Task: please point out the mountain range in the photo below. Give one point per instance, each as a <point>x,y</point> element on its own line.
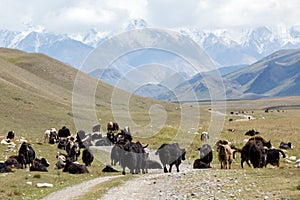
<point>227,47</point>
<point>244,56</point>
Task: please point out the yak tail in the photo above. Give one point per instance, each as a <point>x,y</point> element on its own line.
<point>283,154</point>
<point>146,146</point>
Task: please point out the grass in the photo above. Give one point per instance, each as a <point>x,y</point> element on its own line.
<point>276,126</point>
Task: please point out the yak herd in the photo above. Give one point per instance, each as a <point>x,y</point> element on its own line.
<point>132,155</point>
<point>257,151</point>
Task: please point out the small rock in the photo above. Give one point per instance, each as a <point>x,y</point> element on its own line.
<point>39,185</point>
<point>29,183</point>
<point>293,158</point>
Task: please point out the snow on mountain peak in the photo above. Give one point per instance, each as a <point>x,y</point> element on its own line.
<point>226,46</point>
<point>136,24</point>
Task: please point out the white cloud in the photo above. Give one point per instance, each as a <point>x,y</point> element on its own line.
<point>248,13</point>
<point>169,13</point>
<point>80,15</point>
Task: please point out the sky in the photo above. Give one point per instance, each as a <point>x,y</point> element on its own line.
<point>75,16</point>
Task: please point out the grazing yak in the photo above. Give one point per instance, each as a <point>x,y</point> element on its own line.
<point>116,153</point>
<point>284,145</point>
<point>112,126</point>
<point>74,152</point>
<point>61,160</point>
<point>80,137</point>
<point>257,155</point>
<point>273,156</point>
<point>64,132</point>
<point>123,136</point>
<point>39,165</point>
<point>225,156</point>
<point>252,132</point>
<point>53,138</point>
<point>245,153</point>
<point>62,144</point>
<point>26,154</point>
<point>206,154</point>
<point>10,135</point>
<point>170,154</point>
<point>204,136</point>
<point>110,135</point>
<point>46,135</point>
<point>134,157</point>
<point>87,157</point>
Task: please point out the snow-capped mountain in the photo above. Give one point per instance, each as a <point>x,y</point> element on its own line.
<point>236,46</point>
<point>58,46</point>
<point>226,47</point>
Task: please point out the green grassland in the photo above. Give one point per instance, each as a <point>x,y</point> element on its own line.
<point>36,94</point>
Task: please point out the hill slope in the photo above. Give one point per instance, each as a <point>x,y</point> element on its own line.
<point>37,94</point>
<point>276,75</point>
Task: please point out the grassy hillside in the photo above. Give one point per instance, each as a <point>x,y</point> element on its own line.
<point>36,94</point>
<point>275,75</point>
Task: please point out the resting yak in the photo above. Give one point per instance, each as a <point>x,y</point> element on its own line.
<point>39,165</point>
<point>206,156</point>
<point>74,167</point>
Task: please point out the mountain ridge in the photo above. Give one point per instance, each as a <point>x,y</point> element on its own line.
<point>228,47</point>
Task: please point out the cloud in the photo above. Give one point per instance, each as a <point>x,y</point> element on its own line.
<point>220,14</point>
<point>68,15</point>
<point>248,13</point>
<point>170,13</point>
<point>78,16</point>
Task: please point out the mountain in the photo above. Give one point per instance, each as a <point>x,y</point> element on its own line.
<point>228,69</point>
<point>231,50</point>
<point>276,75</point>
<point>273,76</point>
<point>227,47</point>
<point>235,47</point>
<point>58,46</point>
